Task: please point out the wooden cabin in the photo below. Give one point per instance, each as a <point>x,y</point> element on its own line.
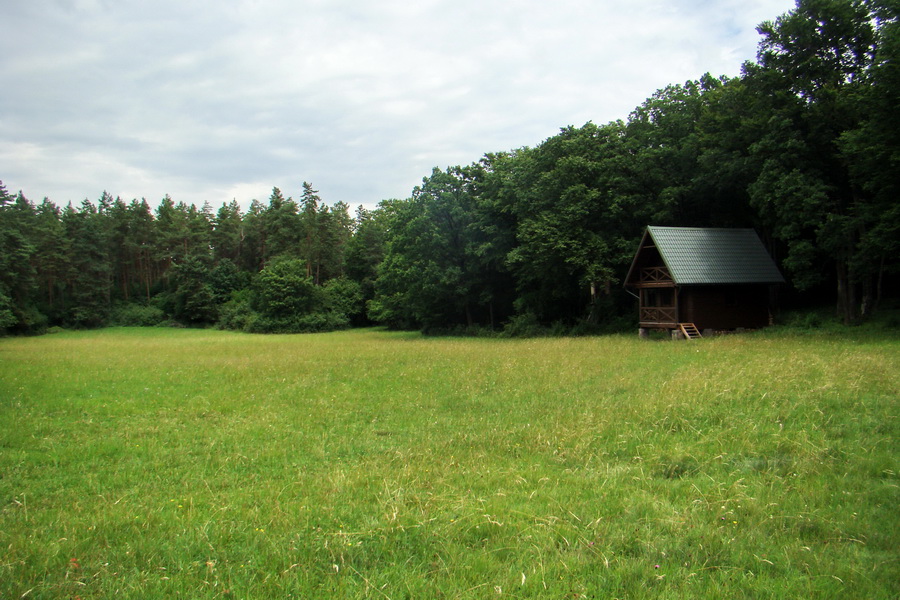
<point>691,279</point>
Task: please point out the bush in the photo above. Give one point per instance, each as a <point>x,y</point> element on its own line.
<point>31,321</point>
<point>321,322</point>
<point>7,316</point>
<point>391,312</point>
<point>811,320</point>
<point>345,296</point>
<point>237,313</point>
<point>805,321</point>
<point>524,325</point>
<point>311,323</point>
<point>132,314</point>
<point>892,321</point>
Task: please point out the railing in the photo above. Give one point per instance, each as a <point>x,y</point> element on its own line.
<point>655,275</point>
<point>659,314</point>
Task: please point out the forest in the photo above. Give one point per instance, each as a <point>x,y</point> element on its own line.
<point>803,146</point>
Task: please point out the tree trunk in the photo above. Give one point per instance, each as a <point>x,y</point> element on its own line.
<point>865,307</point>
<point>878,285</point>
<point>592,314</point>
<point>846,294</point>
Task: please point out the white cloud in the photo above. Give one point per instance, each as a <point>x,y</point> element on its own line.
<point>213,101</point>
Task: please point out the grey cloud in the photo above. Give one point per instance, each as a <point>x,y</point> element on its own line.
<point>205,99</point>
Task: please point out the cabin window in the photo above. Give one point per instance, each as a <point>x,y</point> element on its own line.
<point>658,297</point>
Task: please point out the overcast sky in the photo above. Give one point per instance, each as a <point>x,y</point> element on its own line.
<point>214,100</point>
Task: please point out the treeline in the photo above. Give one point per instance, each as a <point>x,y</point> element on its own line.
<point>804,147</point>
<point>277,267</point>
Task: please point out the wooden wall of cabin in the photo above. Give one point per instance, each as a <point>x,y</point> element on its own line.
<point>725,307</point>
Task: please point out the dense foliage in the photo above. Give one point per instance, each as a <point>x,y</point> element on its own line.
<point>804,147</point>
<point>279,267</point>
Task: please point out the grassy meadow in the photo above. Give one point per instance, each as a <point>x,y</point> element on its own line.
<point>156,463</point>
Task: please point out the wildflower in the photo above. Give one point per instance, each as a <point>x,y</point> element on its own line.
<point>655,566</point>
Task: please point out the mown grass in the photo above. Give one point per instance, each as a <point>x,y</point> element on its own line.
<point>203,464</point>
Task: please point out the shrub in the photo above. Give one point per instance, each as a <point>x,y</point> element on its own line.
<point>7,316</point>
<point>132,314</point>
<point>524,325</point>
<point>811,320</point>
<point>312,323</point>
<point>237,313</point>
<point>344,296</point>
<point>32,321</point>
<point>321,322</point>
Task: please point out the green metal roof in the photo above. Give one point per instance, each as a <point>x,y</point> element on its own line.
<point>701,256</point>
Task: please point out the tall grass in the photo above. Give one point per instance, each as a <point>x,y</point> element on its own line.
<point>202,464</point>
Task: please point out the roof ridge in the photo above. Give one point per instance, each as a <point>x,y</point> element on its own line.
<point>702,228</point>
<point>731,255</point>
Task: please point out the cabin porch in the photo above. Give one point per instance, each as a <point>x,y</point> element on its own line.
<point>658,308</point>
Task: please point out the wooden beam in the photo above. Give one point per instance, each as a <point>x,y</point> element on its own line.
<point>654,284</point>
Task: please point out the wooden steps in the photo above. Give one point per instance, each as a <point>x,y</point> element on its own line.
<point>690,331</point>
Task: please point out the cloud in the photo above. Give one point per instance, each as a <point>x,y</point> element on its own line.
<point>209,101</point>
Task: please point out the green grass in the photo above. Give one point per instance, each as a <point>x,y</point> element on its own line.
<point>151,463</point>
